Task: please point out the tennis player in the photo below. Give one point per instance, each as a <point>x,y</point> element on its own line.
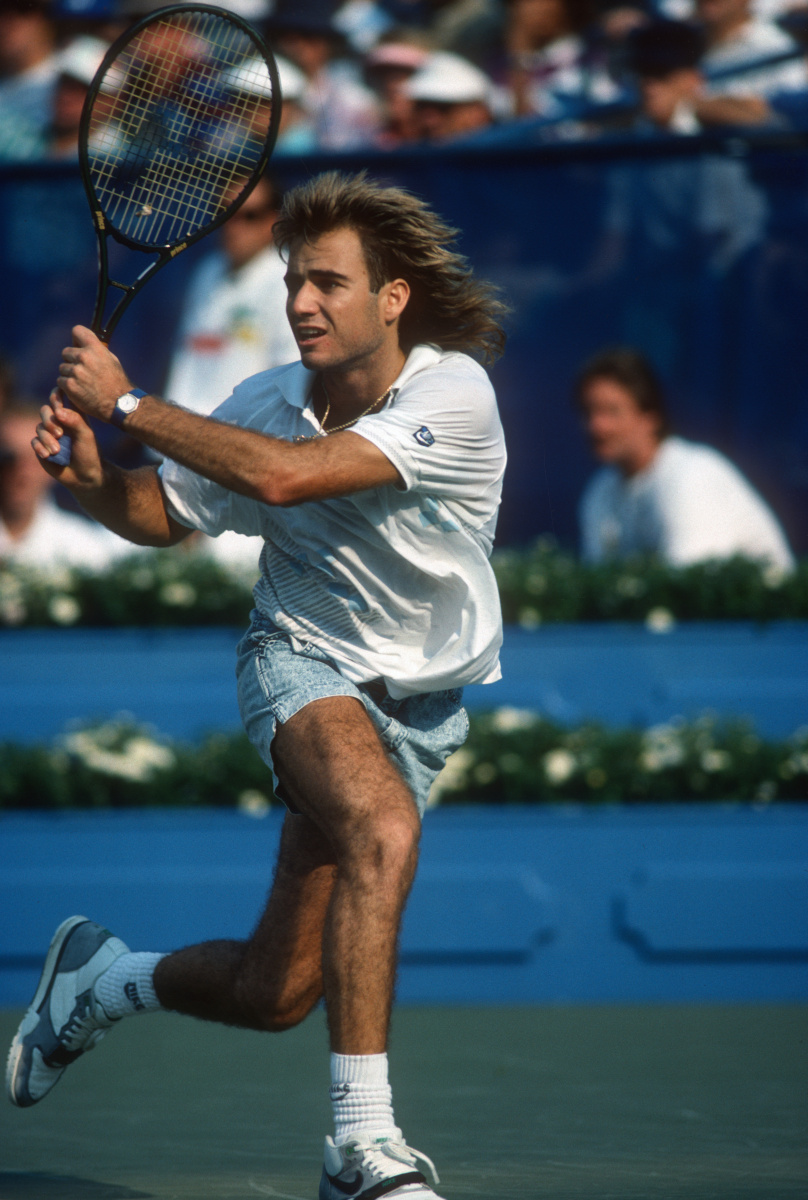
<point>373,470</point>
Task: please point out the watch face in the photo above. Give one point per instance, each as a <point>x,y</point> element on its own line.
<point>128,403</point>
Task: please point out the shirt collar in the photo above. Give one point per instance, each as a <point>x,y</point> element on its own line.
<point>295,382</point>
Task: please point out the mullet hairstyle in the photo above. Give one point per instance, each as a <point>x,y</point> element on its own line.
<point>402,238</point>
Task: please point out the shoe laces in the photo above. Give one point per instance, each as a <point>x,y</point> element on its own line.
<point>374,1154</point>
<point>83,1029</point>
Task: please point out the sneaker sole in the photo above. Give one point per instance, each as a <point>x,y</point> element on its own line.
<point>31,1018</point>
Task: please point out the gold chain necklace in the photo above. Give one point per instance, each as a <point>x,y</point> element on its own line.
<point>325,432</point>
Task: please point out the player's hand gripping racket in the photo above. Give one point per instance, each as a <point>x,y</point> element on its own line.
<point>177,127</point>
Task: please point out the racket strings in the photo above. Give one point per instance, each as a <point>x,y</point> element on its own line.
<point>170,141</point>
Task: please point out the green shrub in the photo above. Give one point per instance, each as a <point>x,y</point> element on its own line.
<point>511,756</point>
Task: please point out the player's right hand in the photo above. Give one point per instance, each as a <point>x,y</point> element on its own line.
<point>85,469</point>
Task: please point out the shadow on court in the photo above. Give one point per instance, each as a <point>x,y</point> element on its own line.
<point>607,1103</point>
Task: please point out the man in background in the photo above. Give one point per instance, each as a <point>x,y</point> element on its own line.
<point>34,531</point>
<point>451,98</point>
<point>657,493</point>
<point>234,320</point>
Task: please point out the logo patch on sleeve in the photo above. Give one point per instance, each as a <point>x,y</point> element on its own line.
<point>424,437</point>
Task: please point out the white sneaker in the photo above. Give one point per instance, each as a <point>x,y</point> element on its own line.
<point>365,1168</point>
<point>65,1020</point>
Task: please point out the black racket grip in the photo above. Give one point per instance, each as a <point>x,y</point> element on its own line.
<point>65,452</point>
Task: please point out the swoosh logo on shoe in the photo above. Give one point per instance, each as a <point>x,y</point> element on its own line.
<point>349,1187</point>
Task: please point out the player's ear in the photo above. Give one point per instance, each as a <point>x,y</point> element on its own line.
<point>395,296</point>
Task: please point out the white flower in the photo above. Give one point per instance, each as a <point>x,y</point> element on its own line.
<point>64,609</point>
<point>773,576</point>
<point>660,620</point>
<point>511,720</point>
<point>715,760</point>
<point>138,759</point>
<point>630,586</point>
<point>536,583</point>
<point>661,747</point>
<point>484,772</point>
<point>12,610</point>
<point>179,594</point>
<point>253,803</point>
<point>559,765</point>
<point>529,618</point>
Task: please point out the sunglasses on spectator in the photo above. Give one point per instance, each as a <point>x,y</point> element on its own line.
<point>251,214</point>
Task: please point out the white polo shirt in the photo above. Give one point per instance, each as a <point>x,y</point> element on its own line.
<point>394,581</point>
<point>689,505</point>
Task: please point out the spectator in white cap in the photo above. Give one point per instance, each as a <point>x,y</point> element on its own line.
<point>452,97</point>
<point>388,68</point>
<point>58,138</point>
<point>27,75</point>
<point>296,133</point>
<point>77,65</point>
<point>343,110</point>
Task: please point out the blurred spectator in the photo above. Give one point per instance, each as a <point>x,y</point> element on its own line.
<point>296,132</point>
<point>98,18</point>
<point>735,38</point>
<point>362,23</point>
<point>549,66</point>
<point>465,27</point>
<point>343,111</point>
<point>77,65</point>
<point>667,58</point>
<point>33,530</point>
<point>7,382</point>
<point>58,136</point>
<point>664,56</point>
<point>657,493</point>
<point>234,319</point>
<point>28,69</point>
<point>388,67</point>
<point>451,96</point>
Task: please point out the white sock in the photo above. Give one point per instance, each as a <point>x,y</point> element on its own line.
<point>361,1098</point>
<point>127,987</point>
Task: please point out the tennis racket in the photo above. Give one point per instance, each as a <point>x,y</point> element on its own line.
<point>178,125</point>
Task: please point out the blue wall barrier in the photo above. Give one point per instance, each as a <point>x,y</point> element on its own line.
<point>182,681</point>
<point>653,903</point>
<point>693,249</point>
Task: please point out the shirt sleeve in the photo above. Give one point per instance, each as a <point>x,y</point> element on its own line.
<point>442,432</point>
<point>202,504</point>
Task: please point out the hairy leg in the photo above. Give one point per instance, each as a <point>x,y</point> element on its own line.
<point>331,923</point>
<point>274,979</point>
<point>339,774</point>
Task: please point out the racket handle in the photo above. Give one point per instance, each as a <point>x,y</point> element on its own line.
<point>63,455</point>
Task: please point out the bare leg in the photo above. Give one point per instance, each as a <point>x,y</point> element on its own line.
<point>339,774</point>
<point>331,924</point>
<point>273,980</point>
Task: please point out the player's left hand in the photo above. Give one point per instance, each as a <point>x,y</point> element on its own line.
<point>90,375</point>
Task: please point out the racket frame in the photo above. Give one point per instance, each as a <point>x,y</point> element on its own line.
<point>103,228</point>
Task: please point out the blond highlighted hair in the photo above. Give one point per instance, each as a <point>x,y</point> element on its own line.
<point>402,238</point>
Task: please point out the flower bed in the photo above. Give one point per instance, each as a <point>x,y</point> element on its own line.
<point>511,756</point>
<point>539,584</point>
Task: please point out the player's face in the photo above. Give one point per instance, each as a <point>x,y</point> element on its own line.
<point>619,432</point>
<point>337,320</point>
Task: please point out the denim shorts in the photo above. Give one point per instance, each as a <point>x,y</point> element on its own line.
<point>277,678</point>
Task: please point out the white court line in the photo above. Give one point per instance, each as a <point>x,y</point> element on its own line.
<point>266,1190</point>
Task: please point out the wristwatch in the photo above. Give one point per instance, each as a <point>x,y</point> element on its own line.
<point>125,405</point>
